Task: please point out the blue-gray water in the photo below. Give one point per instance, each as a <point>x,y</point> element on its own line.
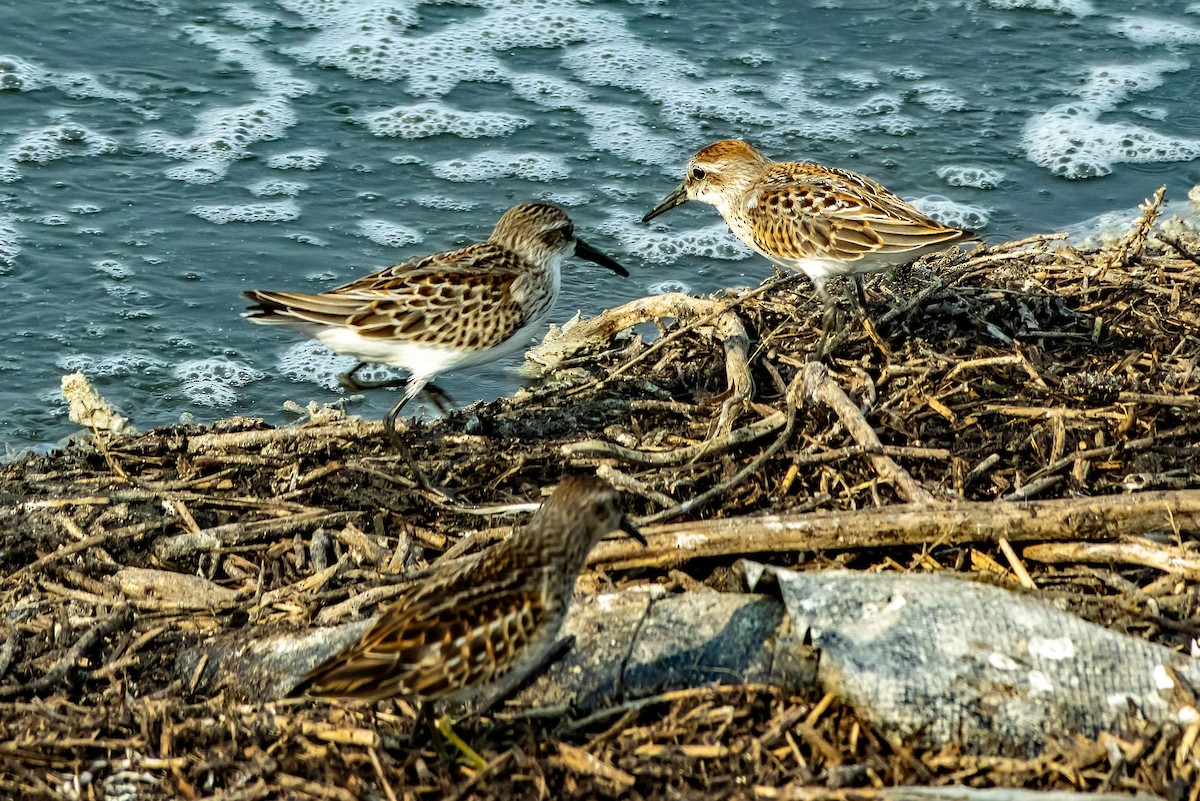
<point>158,157</point>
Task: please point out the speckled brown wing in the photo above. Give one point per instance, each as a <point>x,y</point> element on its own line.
<point>805,211</point>
<point>460,299</point>
<point>438,642</point>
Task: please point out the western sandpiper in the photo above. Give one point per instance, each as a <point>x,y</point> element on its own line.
<point>474,629</point>
<point>818,220</point>
<point>442,312</point>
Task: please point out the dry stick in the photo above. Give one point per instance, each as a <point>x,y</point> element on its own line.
<point>330,615</point>
<point>1149,554</point>
<point>8,651</point>
<point>1132,243</point>
<point>630,311</point>
<point>1065,519</point>
<point>349,429</point>
<point>1174,242</point>
<point>102,446</point>
<point>1039,240</point>
<point>917,793</point>
<point>1016,564</point>
<point>235,533</point>
<point>1031,489</point>
<point>711,447</point>
<point>741,475</point>
<point>204,499</point>
<point>580,762</point>
<point>135,530</point>
<point>1108,451</point>
<point>819,386</point>
<point>131,656</point>
<point>737,370</point>
<point>1188,401</point>
<point>627,483</point>
<point>68,661</point>
<point>729,329</point>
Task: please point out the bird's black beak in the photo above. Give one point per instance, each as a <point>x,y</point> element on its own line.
<point>629,528</point>
<point>585,251</point>
<point>676,198</point>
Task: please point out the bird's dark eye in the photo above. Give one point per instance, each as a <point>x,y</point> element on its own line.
<point>698,173</point>
<point>556,236</point>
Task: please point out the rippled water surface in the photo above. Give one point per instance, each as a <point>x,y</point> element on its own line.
<point>156,157</point>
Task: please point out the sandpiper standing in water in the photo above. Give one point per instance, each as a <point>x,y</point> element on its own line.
<point>474,629</point>
<point>818,220</point>
<point>442,312</point>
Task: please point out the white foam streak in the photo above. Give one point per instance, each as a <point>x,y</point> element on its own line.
<point>431,119</point>
<point>1070,139</point>
<point>226,134</point>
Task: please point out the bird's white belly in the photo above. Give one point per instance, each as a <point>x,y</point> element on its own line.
<point>819,269</point>
<point>418,358</point>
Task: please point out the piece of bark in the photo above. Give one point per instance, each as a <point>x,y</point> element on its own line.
<point>256,666</point>
<point>181,590</point>
<point>932,660</point>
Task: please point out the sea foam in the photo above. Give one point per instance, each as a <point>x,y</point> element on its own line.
<point>1076,8</point>
<point>266,211</point>
<point>967,175</point>
<point>313,363</point>
<point>224,135</point>
<point>213,381</point>
<point>1071,140</point>
<point>430,119</point>
<point>54,142</point>
<point>494,163</point>
<point>10,242</point>
<point>389,234</point>
<point>26,76</point>
<point>951,212</point>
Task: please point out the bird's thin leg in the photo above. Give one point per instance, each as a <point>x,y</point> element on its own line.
<point>352,384</point>
<point>416,385</point>
<point>412,389</point>
<point>828,323</point>
<point>348,381</point>
<point>860,294</point>
<point>439,398</point>
<point>828,315</point>
<point>445,727</point>
<point>426,718</point>
<point>858,299</point>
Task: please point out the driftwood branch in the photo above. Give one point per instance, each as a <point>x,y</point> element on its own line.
<point>821,388</point>
<point>169,548</point>
<point>712,447</point>
<point>294,436</point>
<point>1176,561</point>
<point>696,313</point>
<point>1104,517</point>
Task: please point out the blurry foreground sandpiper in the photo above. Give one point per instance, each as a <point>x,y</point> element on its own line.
<point>818,220</point>
<point>442,312</point>
<point>474,629</point>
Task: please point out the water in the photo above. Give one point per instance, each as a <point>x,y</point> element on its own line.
<point>158,157</point>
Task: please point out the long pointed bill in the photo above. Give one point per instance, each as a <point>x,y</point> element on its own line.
<point>676,198</point>
<point>632,530</point>
<point>585,251</point>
